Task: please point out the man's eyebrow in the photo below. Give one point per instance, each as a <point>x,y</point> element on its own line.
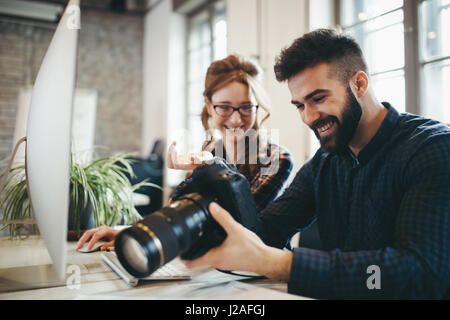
<point>317,91</point>
<point>310,95</point>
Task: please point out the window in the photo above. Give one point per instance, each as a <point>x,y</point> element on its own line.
<point>207,41</point>
<point>407,48</point>
<point>378,27</point>
<point>434,53</point>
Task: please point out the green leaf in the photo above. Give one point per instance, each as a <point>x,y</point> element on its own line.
<point>102,182</point>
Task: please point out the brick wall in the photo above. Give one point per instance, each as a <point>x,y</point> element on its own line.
<point>109,60</point>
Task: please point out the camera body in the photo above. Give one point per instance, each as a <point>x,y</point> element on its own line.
<point>219,182</point>
<point>186,227</point>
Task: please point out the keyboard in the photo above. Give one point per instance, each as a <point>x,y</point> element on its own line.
<point>174,270</point>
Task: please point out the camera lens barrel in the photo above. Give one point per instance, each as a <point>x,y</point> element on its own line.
<point>162,235</point>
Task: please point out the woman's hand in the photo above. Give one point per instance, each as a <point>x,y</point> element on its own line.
<point>243,250</point>
<point>93,235</point>
<point>186,162</point>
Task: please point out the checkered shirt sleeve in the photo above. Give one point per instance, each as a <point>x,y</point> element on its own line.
<point>417,263</point>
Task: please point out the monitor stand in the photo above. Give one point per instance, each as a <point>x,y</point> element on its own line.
<point>29,277</point>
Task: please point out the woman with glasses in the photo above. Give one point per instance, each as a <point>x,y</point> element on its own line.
<point>235,107</point>
<point>234,99</point>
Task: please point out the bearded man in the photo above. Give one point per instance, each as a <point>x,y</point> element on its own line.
<point>378,189</point>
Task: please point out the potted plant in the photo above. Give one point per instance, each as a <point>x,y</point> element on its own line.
<point>100,194</point>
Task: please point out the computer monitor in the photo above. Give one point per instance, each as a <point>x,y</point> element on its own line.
<point>48,140</point>
<point>49,127</point>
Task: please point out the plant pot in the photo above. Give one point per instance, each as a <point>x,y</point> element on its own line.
<point>85,218</point>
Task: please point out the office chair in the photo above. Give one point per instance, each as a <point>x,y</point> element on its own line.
<point>150,168</point>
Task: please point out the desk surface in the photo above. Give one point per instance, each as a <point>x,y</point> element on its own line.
<point>99,282</point>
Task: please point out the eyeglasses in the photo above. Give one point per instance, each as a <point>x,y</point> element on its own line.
<point>227,111</point>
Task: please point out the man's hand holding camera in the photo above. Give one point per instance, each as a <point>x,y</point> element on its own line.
<point>186,228</point>
<point>243,250</point>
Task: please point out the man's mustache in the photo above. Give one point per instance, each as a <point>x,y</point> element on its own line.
<point>320,122</point>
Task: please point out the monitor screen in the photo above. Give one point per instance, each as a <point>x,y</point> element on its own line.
<point>47,157</point>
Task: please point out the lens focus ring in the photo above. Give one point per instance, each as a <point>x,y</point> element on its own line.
<point>155,239</point>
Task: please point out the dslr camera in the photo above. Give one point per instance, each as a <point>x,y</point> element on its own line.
<point>185,227</point>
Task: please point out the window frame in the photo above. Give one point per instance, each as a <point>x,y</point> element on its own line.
<point>212,12</point>
<point>414,65</point>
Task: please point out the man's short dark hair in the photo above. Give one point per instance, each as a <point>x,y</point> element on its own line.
<point>341,51</point>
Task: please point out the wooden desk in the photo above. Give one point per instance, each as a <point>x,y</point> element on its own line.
<point>99,282</point>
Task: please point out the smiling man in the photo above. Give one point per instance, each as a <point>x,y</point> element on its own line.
<point>378,188</point>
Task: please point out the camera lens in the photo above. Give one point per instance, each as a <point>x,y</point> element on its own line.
<point>162,235</point>
<point>134,254</point>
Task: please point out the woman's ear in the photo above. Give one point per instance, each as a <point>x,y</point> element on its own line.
<point>359,83</point>
<point>208,105</point>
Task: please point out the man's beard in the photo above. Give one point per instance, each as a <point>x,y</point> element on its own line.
<point>345,130</point>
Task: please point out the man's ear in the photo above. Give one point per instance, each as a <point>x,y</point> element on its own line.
<point>359,83</point>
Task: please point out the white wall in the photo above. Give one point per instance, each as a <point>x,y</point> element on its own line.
<point>83,122</point>
<point>164,65</point>
<point>256,28</point>
<point>321,14</point>
<point>261,28</point>
<point>155,82</point>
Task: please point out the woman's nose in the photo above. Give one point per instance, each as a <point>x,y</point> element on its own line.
<point>235,117</point>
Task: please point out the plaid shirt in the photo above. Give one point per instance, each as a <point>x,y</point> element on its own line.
<point>266,186</point>
<point>274,168</point>
<point>389,208</point>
